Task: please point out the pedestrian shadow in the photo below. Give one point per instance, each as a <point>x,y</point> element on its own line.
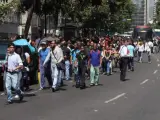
<point>19,102</point>
<point>62,89</point>
<point>125,80</point>
<point>64,85</point>
<point>29,95</point>
<point>99,85</point>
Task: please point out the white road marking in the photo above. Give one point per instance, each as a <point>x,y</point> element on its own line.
<point>95,110</point>
<point>158,65</point>
<point>157,60</point>
<point>144,81</point>
<point>115,98</point>
<point>155,71</point>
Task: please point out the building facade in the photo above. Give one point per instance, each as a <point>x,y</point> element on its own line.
<point>14,23</point>
<point>139,16</point>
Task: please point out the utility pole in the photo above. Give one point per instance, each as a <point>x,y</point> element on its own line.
<point>45,20</point>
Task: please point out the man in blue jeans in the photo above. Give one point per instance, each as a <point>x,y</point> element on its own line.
<point>131,56</point>
<point>14,65</point>
<point>42,56</point>
<point>67,58</point>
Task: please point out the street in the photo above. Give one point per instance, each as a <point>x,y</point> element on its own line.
<point>136,99</point>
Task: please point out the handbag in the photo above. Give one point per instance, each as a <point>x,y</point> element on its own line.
<point>60,65</point>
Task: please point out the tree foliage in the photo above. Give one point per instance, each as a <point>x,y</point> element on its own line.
<point>116,16</point>
<point>157,19</point>
<point>6,8</point>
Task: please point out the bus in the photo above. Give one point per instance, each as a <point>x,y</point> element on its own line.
<point>143,33</point>
<point>156,32</point>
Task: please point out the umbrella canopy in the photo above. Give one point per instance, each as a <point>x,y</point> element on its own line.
<point>49,39</point>
<point>21,42</point>
<point>24,42</point>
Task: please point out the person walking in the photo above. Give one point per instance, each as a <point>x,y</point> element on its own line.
<point>14,65</point>
<point>131,56</point>
<point>140,49</point>
<point>42,56</point>
<point>57,64</point>
<point>82,58</point>
<point>67,58</point>
<point>148,49</point>
<point>95,61</point>
<point>124,52</point>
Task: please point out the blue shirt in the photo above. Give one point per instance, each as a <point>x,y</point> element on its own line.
<point>131,50</point>
<point>43,54</point>
<point>95,58</point>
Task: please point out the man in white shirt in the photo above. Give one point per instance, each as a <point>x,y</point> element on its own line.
<point>14,65</point>
<point>124,52</point>
<point>56,56</point>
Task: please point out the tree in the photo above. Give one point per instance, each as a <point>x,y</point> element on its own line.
<point>6,8</point>
<point>30,6</point>
<point>103,17</point>
<point>157,19</point>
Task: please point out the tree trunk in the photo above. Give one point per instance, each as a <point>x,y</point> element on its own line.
<point>28,22</point>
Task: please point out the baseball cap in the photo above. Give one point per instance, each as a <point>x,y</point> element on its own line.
<point>43,43</point>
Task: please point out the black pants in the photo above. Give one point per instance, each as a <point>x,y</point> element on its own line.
<point>131,63</point>
<point>24,82</point>
<point>104,65</point>
<point>81,73</point>
<point>123,67</point>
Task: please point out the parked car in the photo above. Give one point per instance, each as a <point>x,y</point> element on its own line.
<point>3,50</point>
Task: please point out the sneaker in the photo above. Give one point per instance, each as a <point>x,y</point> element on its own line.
<point>16,97</point>
<point>54,89</point>
<point>96,84</point>
<point>41,88</point>
<point>20,98</point>
<point>9,101</point>
<point>77,85</point>
<point>91,84</point>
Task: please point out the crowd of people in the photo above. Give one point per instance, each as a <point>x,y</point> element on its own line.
<point>80,60</point>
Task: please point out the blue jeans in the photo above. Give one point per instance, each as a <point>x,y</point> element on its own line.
<point>108,66</point>
<point>42,78</point>
<point>12,81</point>
<point>67,71</point>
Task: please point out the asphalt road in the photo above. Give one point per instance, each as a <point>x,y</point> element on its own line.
<point>136,99</point>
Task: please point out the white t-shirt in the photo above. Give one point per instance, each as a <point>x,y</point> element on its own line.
<point>123,51</point>
<point>140,48</point>
<point>148,46</point>
<point>27,55</point>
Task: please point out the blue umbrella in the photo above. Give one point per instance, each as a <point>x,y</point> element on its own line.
<point>21,42</point>
<point>24,42</point>
<point>32,49</point>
